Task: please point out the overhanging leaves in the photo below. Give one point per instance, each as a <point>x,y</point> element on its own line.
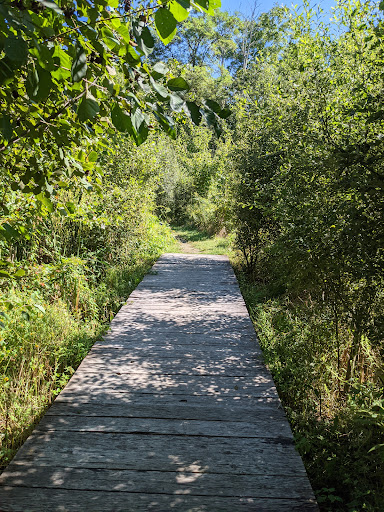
<point>79,65</point>
<point>165,24</point>
<point>177,84</point>
<point>88,108</point>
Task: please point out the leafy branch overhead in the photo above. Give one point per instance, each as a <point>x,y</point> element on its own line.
<point>74,72</point>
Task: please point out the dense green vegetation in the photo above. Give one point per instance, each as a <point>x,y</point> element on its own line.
<point>291,186</point>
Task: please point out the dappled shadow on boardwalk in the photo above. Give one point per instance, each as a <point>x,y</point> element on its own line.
<point>173,410</point>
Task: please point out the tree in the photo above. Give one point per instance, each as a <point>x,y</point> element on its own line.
<point>72,73</point>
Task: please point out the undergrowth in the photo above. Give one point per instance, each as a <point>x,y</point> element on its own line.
<point>339,435</point>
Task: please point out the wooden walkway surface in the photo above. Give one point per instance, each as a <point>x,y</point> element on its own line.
<point>174,411</point>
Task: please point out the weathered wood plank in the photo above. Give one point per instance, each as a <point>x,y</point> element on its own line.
<point>157,351</point>
<point>127,363</point>
<point>229,455</point>
<point>102,383</point>
<point>158,482</point>
<point>19,499</point>
<point>120,338</point>
<point>187,407</point>
<point>265,427</point>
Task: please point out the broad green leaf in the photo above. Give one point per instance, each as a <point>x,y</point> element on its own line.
<point>6,127</point>
<point>121,121</point>
<point>7,71</point>
<point>194,112</point>
<point>178,84</point>
<point>212,121</point>
<point>70,207</point>
<point>109,38</point>
<point>51,5</point>
<point>123,31</point>
<point>93,156</point>
<point>165,24</point>
<point>132,57</point>
<point>176,103</point>
<point>44,56</point>
<point>16,49</point>
<point>159,70</point>
<point>8,232</point>
<point>79,65</point>
<point>225,113</point>
<point>144,38</point>
<point>40,308</point>
<point>88,108</point>
<point>179,12</point>
<point>201,4</point>
<point>20,273</point>
<point>38,84</point>
<point>45,201</point>
<point>137,119</point>
<point>213,105</point>
<point>166,123</point>
<point>63,63</point>
<point>159,88</point>
<point>186,4</point>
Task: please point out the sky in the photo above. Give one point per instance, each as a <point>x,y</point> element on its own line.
<point>245,6</point>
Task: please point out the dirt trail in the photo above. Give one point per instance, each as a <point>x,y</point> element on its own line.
<point>186,247</point>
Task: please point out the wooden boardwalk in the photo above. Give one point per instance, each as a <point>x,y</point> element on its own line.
<point>174,411</point>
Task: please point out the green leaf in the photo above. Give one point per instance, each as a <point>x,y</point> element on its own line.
<point>132,57</point>
<point>38,84</point>
<point>201,4</point>
<point>8,232</point>
<point>5,274</point>
<point>176,103</point>
<point>79,65</point>
<point>178,84</point>
<point>123,31</point>
<point>7,70</point>
<point>212,121</point>
<point>93,156</point>
<point>51,5</point>
<point>137,119</point>
<point>159,88</point>
<point>88,108</point>
<point>165,24</point>
<point>186,4</point>
<point>225,113</point>
<point>63,64</point>
<point>109,38</point>
<point>213,105</point>
<point>179,11</point>
<point>40,308</point>
<point>166,123</point>
<point>6,127</point>
<point>159,70</point>
<point>143,38</point>
<point>19,273</point>
<point>44,200</point>
<point>121,121</point>
<point>194,112</point>
<point>16,49</point>
<point>25,315</point>
<point>70,207</point>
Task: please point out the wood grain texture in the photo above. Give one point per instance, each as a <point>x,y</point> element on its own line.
<point>173,410</point>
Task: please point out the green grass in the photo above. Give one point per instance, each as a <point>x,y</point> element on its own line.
<point>199,241</point>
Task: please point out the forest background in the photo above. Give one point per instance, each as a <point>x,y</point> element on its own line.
<point>109,137</point>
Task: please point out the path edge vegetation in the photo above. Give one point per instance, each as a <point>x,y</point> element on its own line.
<point>295,179</point>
